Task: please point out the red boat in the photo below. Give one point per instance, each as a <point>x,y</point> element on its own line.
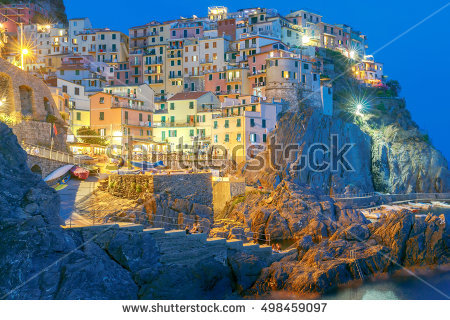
<point>80,173</point>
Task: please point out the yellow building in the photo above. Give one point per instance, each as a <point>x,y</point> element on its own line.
<point>241,130</point>
<point>79,118</point>
<point>185,119</point>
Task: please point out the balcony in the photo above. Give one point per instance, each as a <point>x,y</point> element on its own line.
<point>258,72</point>
<point>153,71</point>
<point>155,81</point>
<point>175,76</point>
<point>154,62</point>
<point>175,124</point>
<point>234,79</point>
<point>206,61</point>
<point>259,84</point>
<point>174,56</point>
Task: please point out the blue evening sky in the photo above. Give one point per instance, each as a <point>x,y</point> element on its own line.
<point>419,59</point>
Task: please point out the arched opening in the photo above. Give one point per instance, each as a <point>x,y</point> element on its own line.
<point>26,100</point>
<point>37,170</point>
<point>47,106</point>
<point>6,94</point>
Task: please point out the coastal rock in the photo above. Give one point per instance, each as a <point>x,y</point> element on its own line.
<point>39,259</point>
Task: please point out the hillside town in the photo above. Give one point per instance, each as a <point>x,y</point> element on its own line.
<point>217,81</point>
<point>238,154</point>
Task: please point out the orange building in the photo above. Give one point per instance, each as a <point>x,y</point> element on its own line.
<point>116,118</point>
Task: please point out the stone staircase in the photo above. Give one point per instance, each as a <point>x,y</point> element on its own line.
<point>176,247</point>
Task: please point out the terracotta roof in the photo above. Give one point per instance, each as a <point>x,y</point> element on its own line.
<point>188,95</point>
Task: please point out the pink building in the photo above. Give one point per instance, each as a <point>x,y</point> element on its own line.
<point>22,12</point>
<point>183,30</point>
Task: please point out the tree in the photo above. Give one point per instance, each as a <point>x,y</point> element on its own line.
<point>88,135</point>
<point>394,87</point>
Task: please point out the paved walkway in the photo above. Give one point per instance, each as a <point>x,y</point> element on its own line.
<point>77,191</point>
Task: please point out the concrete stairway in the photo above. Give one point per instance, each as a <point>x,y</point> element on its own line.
<point>176,247</point>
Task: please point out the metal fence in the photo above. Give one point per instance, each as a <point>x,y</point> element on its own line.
<point>42,152</point>
<point>97,218</point>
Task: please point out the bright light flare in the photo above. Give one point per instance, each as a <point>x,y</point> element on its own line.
<point>25,51</point>
<point>352,54</point>
<point>305,39</point>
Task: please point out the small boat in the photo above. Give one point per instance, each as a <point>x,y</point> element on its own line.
<point>80,173</point>
<point>59,173</point>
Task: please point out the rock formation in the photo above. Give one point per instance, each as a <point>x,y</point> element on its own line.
<point>39,259</point>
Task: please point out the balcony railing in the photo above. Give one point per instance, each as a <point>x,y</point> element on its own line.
<point>172,124</point>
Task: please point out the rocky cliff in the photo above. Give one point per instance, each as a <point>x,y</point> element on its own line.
<point>388,151</point>
<point>41,260</point>
<point>334,245</point>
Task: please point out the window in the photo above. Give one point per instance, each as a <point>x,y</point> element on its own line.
<point>172,133</point>
<point>64,89</point>
<point>216,139</point>
<point>77,91</point>
<point>191,104</point>
<point>227,123</point>
<point>305,66</point>
<point>238,137</point>
<point>102,100</point>
<point>191,132</point>
<point>61,72</point>
<point>215,125</point>
<point>252,122</point>
<point>253,137</point>
<point>140,117</point>
<point>102,116</point>
<point>102,37</point>
<point>238,122</point>
<point>227,137</point>
<point>114,36</point>
<point>264,123</point>
<point>264,137</point>
<point>77,72</point>
<point>78,116</point>
<point>172,106</point>
<point>254,108</point>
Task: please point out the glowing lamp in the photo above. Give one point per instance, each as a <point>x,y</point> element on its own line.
<point>305,39</point>
<point>352,54</point>
<point>25,51</point>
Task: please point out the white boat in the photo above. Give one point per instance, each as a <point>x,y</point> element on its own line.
<point>58,173</point>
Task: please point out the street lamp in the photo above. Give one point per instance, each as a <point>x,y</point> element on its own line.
<point>23,52</point>
<point>359,108</point>
<point>352,54</point>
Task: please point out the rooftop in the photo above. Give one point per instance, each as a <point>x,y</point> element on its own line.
<point>188,95</point>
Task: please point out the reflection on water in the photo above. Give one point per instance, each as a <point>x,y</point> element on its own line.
<point>430,286</point>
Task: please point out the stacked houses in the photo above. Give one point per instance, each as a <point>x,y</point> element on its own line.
<point>218,81</point>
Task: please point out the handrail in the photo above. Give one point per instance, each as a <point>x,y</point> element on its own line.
<point>92,219</point>
<point>42,152</point>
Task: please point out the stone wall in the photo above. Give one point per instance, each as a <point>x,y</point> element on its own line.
<point>39,134</point>
<point>27,96</point>
<point>224,191</point>
<point>195,187</point>
<point>42,166</point>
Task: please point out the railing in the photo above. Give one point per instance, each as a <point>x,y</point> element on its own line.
<point>105,217</point>
<point>248,235</point>
<point>46,153</point>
